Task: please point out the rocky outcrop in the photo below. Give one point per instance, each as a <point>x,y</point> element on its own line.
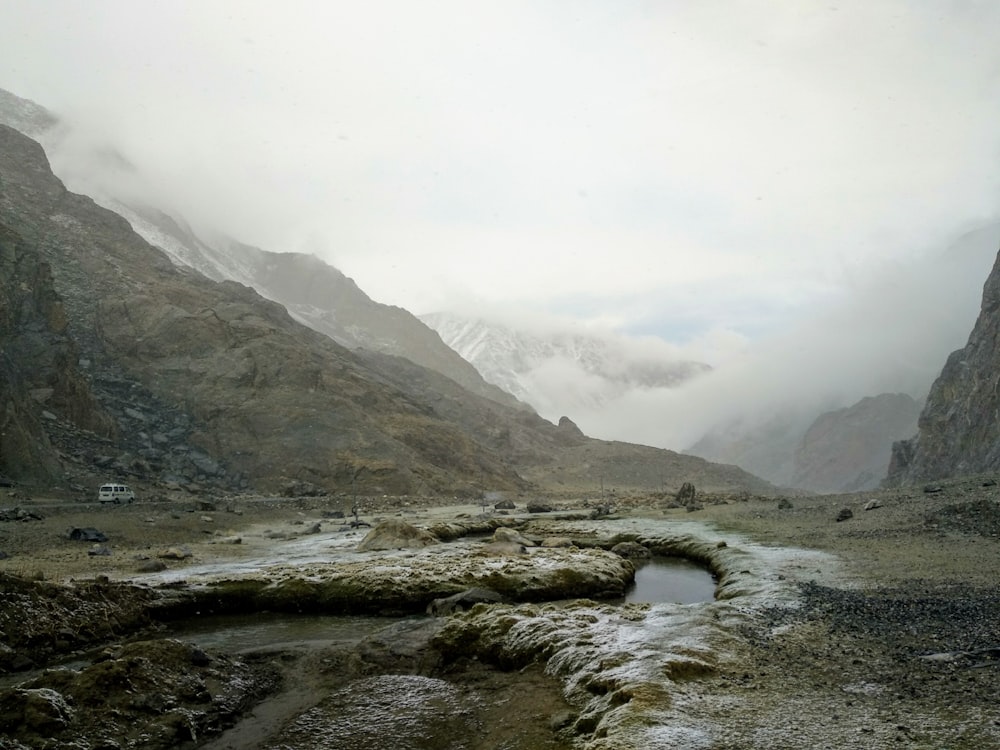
<point>847,450</point>
<point>959,432</point>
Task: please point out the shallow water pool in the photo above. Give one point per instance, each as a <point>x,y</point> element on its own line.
<point>671,579</point>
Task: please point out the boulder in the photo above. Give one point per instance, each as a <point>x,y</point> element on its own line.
<point>845,514</point>
<point>396,534</point>
<point>505,505</point>
<point>873,504</point>
<point>686,493</point>
<point>505,534</point>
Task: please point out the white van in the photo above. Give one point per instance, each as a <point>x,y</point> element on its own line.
<point>115,493</point>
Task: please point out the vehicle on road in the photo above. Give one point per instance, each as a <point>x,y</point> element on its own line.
<point>115,494</point>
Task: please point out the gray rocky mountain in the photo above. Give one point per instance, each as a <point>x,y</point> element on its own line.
<point>848,450</point>
<point>312,291</point>
<point>958,430</point>
<point>130,365</point>
<point>559,371</point>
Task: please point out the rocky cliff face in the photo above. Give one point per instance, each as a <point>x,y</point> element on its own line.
<point>959,428</point>
<point>42,392</point>
<point>208,382</point>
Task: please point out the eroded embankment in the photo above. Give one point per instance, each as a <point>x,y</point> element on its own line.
<point>636,672</point>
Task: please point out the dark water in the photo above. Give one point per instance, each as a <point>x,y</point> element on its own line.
<point>236,633</point>
<point>671,579</point>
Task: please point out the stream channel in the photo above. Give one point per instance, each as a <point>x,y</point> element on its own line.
<point>473,708</point>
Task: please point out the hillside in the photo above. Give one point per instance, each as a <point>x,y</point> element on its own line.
<point>312,291</point>
<point>207,382</point>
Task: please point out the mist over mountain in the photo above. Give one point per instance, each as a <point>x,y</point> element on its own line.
<point>117,361</point>
<point>312,291</point>
<point>886,338</point>
<point>889,336</point>
<point>885,334</point>
<point>562,370</point>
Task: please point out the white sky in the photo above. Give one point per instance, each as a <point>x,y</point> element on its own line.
<point>702,169</point>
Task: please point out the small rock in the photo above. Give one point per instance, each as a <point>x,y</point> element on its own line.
<point>873,504</point>
<point>87,535</point>
<point>930,489</point>
<point>175,553</point>
<point>784,504</point>
<point>207,519</point>
<point>845,514</point>
<point>505,505</point>
<point>150,566</point>
<point>99,550</point>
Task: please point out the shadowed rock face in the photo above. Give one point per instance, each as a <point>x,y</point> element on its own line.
<point>959,432</point>
<point>38,366</point>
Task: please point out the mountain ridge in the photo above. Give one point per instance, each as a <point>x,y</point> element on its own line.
<point>208,382</point>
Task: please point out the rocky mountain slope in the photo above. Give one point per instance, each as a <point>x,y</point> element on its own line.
<point>312,291</point>
<point>38,365</point>
<point>208,382</point>
<point>557,371</point>
<point>848,450</point>
<point>959,432</point>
